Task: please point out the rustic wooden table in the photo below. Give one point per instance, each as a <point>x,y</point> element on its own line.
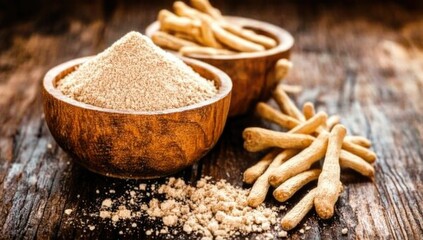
<point>363,61</point>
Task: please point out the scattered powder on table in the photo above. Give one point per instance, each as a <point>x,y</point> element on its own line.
<point>135,74</point>
<point>344,231</point>
<point>212,210</point>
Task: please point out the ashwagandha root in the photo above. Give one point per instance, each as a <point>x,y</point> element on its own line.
<point>356,163</point>
<point>282,67</point>
<point>225,37</point>
<point>359,140</point>
<point>290,173</point>
<point>257,139</point>
<point>360,151</point>
<point>206,7</point>
<point>329,184</point>
<point>301,161</point>
<point>255,171</point>
<point>166,40</point>
<point>287,189</point>
<point>193,50</point>
<point>269,113</point>
<point>310,126</point>
<point>170,22</point>
<point>292,89</point>
<point>209,28</point>
<point>185,36</point>
<point>249,35</point>
<point>332,121</point>
<point>252,173</point>
<point>286,105</point>
<point>234,41</point>
<point>298,212</point>
<point>208,36</point>
<point>164,14</point>
<point>181,9</point>
<point>308,110</point>
<point>261,186</point>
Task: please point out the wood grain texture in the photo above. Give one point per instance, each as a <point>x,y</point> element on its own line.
<point>363,61</point>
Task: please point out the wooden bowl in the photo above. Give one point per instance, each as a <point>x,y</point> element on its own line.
<point>135,144</point>
<point>252,74</point>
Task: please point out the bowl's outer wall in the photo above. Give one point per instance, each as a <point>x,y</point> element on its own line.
<point>133,145</point>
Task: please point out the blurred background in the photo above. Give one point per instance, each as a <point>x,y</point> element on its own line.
<point>113,17</point>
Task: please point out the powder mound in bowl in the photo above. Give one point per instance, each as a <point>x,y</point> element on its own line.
<point>135,74</point>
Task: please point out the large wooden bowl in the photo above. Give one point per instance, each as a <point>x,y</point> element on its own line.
<point>130,144</point>
<point>252,74</point>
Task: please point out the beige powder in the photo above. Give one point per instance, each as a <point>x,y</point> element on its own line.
<point>207,209</point>
<point>135,74</point>
<point>213,210</point>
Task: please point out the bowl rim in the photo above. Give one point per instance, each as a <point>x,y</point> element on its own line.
<point>224,89</point>
<point>284,38</point>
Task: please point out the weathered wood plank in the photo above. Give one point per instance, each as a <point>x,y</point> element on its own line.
<point>362,61</point>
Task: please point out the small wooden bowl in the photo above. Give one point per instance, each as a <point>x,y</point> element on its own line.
<point>134,144</point>
<point>252,74</point>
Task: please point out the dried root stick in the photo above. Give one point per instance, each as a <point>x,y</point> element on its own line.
<point>311,124</point>
<point>172,23</point>
<point>166,40</point>
<point>329,184</point>
<point>255,171</point>
<point>286,105</point>
<point>360,151</point>
<point>185,36</point>
<point>181,9</point>
<point>208,36</point>
<point>292,89</point>
<point>257,139</point>
<point>332,121</point>
<point>261,186</point>
<point>222,35</point>
<point>301,161</point>
<point>308,110</point>
<point>356,163</point>
<point>268,113</point>
<point>206,7</point>
<point>235,42</point>
<point>287,189</point>
<point>298,212</point>
<point>193,50</point>
<point>282,68</point>
<point>251,174</point>
<point>164,14</point>
<point>250,35</point>
<point>354,144</point>
<point>359,140</point>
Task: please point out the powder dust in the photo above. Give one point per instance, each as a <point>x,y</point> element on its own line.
<point>208,210</point>
<point>135,74</point>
